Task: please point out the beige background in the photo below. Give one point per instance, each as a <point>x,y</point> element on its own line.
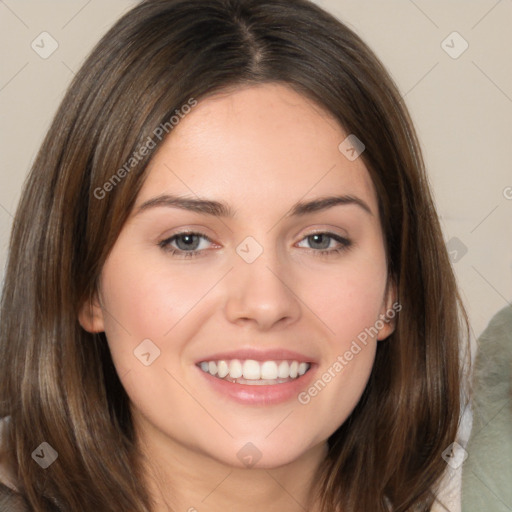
<point>462,109</point>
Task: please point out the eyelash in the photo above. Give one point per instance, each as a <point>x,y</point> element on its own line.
<point>165,244</point>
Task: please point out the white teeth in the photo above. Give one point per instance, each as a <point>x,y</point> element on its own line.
<point>267,372</point>
<point>293,369</point>
<point>235,369</point>
<point>251,370</point>
<point>222,369</point>
<point>284,370</point>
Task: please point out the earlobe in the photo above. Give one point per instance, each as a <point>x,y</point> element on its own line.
<point>90,315</point>
<point>389,312</point>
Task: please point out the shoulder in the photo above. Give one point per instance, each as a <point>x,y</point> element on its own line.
<point>7,478</point>
<point>448,496</point>
<point>12,501</point>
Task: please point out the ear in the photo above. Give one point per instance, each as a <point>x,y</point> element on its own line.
<point>90,315</point>
<point>389,311</point>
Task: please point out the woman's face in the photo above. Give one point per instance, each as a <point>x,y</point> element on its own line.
<point>274,282</point>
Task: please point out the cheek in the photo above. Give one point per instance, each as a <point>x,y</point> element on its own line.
<point>145,301</point>
<point>348,301</point>
<point>338,387</point>
<point>347,298</point>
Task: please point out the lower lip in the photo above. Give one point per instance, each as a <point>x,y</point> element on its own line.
<point>260,395</point>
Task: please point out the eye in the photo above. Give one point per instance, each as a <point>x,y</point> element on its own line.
<point>192,244</point>
<point>187,244</point>
<point>327,243</point>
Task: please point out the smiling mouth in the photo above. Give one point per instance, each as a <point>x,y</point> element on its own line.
<point>255,373</point>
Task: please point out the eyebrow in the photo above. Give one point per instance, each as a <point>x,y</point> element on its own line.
<point>221,209</point>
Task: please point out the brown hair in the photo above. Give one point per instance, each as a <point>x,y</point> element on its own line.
<point>59,384</point>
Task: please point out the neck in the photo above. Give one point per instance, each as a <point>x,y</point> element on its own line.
<point>180,478</point>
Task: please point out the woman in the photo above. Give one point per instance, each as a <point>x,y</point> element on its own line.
<point>227,284</point>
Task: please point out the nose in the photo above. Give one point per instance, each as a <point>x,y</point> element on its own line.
<point>261,293</point>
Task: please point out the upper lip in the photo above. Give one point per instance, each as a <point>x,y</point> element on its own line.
<point>276,354</point>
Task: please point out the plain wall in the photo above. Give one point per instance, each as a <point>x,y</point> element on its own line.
<point>462,108</point>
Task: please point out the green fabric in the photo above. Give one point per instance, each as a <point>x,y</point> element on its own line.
<point>487,472</point>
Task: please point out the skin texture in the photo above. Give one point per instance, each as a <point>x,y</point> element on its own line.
<point>260,149</point>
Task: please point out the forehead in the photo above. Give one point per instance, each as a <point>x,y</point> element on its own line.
<point>264,143</point>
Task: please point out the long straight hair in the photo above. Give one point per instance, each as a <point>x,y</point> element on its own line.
<point>58,382</point>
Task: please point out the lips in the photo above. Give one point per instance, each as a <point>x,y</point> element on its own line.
<point>257,377</point>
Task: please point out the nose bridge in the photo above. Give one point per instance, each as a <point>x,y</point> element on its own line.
<point>259,288</point>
